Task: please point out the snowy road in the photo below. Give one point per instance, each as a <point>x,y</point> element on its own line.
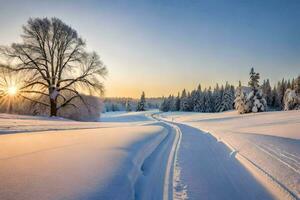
<point>206,169</point>
<point>265,144</point>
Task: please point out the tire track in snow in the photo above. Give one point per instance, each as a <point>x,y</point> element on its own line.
<point>173,187</point>
<point>248,163</point>
<point>277,156</point>
<point>275,186</point>
<point>291,158</point>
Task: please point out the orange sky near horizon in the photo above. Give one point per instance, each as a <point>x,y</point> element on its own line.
<point>162,47</point>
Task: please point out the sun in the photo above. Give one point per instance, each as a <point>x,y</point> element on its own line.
<point>12,90</point>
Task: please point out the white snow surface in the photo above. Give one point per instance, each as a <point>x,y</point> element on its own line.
<point>137,156</point>
<point>57,159</point>
<point>269,142</point>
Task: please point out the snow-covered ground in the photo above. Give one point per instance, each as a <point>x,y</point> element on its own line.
<point>151,155</point>
<point>267,144</point>
<point>62,159</point>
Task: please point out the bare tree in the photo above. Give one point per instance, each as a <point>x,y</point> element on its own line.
<point>57,66</point>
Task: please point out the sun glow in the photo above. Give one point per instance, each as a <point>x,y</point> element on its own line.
<point>12,90</point>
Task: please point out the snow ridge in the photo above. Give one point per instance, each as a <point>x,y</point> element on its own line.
<point>179,189</point>
<point>142,155</point>
<point>288,194</point>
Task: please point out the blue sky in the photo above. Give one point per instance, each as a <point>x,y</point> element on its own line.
<point>164,46</point>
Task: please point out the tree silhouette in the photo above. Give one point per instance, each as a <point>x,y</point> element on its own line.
<point>56,64</point>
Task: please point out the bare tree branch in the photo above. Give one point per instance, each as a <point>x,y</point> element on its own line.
<point>57,64</point>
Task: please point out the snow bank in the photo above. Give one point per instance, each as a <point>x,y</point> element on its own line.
<point>270,141</point>
<point>122,116</point>
<point>101,163</point>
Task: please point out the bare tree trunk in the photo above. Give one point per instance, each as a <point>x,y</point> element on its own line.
<point>53,108</point>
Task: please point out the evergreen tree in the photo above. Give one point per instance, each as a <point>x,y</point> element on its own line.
<point>208,100</point>
<point>293,84</point>
<point>177,103</point>
<point>184,101</point>
<point>267,92</point>
<point>254,80</point>
<point>171,103</point>
<point>114,107</point>
<point>141,103</point>
<point>240,101</point>
<point>128,106</point>
<point>193,100</point>
<point>255,101</point>
<point>190,102</point>
<point>292,96</point>
<point>227,99</point>
<point>219,98</point>
<point>275,98</point>
<point>164,106</point>
<point>199,100</point>
<point>291,100</point>
<point>297,85</point>
<point>280,91</point>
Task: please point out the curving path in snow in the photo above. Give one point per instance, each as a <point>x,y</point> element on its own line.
<point>236,163</point>
<point>206,169</point>
<point>139,156</point>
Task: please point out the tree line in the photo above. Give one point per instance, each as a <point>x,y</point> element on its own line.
<point>208,100</point>
<point>251,98</point>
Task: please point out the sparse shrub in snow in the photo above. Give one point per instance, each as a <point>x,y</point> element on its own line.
<point>291,100</point>
<point>89,112</point>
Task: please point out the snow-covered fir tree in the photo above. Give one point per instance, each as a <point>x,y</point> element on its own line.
<point>142,103</point>
<point>208,101</point>
<point>275,102</point>
<point>296,85</point>
<point>291,100</point>
<point>267,92</point>
<point>219,98</point>
<point>240,99</point>
<point>199,100</point>
<point>164,106</point>
<point>184,102</point>
<point>255,102</point>
<point>171,102</point>
<point>177,103</point>
<point>244,99</point>
<point>128,106</point>
<point>292,96</point>
<point>227,99</point>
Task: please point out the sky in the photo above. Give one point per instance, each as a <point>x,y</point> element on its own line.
<point>162,47</point>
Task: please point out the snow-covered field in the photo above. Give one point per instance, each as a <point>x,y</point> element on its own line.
<point>62,159</point>
<point>268,144</point>
<point>151,155</point>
